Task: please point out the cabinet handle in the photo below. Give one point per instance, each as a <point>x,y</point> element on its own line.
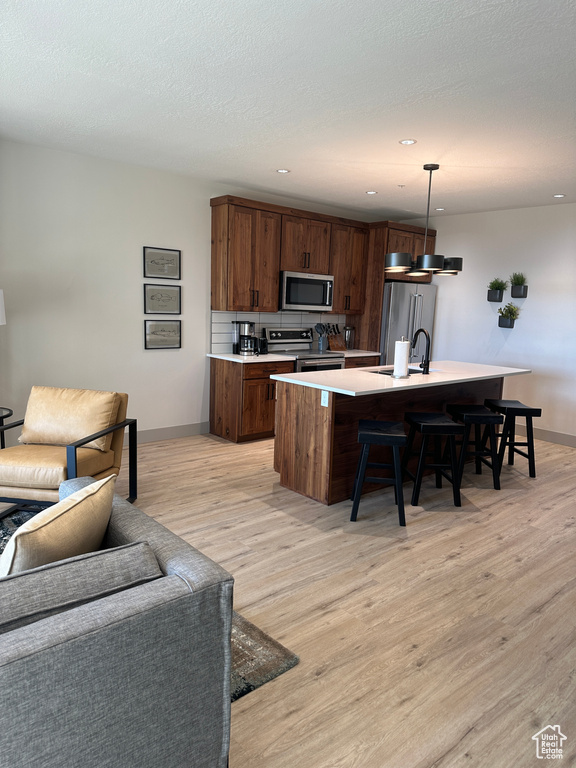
<point>272,390</point>
<point>251,297</point>
<point>308,265</point>
<point>257,298</point>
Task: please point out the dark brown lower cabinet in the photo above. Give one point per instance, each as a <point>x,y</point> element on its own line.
<point>243,399</point>
<point>362,362</point>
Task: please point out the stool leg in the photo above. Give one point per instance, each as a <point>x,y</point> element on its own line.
<point>504,437</point>
<point>478,447</point>
<point>399,492</point>
<point>463,451</point>
<point>530,446</point>
<point>455,476</point>
<point>419,471</point>
<point>490,431</point>
<point>511,439</point>
<point>438,459</point>
<point>359,480</point>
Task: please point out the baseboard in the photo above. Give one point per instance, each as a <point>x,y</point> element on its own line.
<point>169,433</point>
<point>550,437</point>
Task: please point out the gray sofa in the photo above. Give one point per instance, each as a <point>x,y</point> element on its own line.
<point>117,659</point>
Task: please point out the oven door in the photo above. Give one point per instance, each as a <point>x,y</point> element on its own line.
<point>317,364</point>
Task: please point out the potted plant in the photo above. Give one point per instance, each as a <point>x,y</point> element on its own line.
<point>519,287</point>
<point>508,314</point>
<point>496,289</point>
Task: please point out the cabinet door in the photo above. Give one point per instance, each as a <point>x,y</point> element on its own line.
<point>253,260</point>
<point>258,407</point>
<point>347,262</point>
<point>362,362</point>
<point>305,245</point>
<point>400,242</point>
<point>266,277</point>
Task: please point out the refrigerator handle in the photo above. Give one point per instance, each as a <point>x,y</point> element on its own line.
<point>412,316</point>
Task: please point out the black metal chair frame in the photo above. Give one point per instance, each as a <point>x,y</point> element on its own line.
<point>396,480</point>
<point>72,461</point>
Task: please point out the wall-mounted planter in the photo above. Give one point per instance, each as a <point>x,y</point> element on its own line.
<point>505,322</point>
<point>495,295</point>
<point>519,291</point>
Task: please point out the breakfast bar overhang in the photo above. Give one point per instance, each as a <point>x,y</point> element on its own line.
<point>316,449</point>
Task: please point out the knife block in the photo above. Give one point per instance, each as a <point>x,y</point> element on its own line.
<point>337,343</point>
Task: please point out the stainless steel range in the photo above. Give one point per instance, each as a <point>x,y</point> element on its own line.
<point>297,342</point>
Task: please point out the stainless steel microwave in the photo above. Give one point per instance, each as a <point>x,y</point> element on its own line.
<point>305,292</point>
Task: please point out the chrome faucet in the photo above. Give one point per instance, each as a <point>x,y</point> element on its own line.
<point>425,364</point>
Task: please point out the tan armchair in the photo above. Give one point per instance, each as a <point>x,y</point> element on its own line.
<point>66,433</point>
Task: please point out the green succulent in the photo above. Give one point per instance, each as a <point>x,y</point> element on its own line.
<point>517,278</point>
<point>510,311</point>
<point>497,284</point>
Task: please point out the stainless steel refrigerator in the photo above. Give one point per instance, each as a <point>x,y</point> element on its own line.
<point>407,307</point>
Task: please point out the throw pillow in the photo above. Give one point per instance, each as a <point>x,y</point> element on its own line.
<point>60,416</point>
<point>71,527</point>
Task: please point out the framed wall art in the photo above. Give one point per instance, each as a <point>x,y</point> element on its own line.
<point>162,334</point>
<point>162,262</point>
<point>161,299</point>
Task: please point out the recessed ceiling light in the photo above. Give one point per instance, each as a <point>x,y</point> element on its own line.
<point>371,192</point>
<point>282,170</point>
<point>440,209</point>
<point>407,141</point>
<point>558,195</point>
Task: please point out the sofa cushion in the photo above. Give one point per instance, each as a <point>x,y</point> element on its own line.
<point>44,466</point>
<point>56,587</point>
<point>70,527</point>
<point>60,416</point>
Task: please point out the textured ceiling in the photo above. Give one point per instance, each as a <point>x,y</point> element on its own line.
<point>230,91</point>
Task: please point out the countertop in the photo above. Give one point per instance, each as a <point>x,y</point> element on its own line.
<point>363,381</point>
<point>272,358</point>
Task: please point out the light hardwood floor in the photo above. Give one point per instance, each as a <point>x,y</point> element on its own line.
<point>445,644</point>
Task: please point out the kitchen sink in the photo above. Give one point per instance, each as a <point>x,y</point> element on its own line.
<point>391,371</point>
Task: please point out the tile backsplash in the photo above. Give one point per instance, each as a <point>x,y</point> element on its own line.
<point>221,336</point>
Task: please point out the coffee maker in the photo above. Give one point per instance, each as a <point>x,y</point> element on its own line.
<point>247,340</point>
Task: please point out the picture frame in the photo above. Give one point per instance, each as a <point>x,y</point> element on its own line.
<point>162,334</point>
<point>162,299</point>
<point>162,262</point>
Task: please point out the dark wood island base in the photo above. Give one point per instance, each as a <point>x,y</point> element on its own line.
<point>316,449</point>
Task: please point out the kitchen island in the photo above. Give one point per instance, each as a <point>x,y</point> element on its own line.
<point>316,449</point>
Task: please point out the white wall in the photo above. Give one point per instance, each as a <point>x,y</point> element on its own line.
<point>71,234</point>
<point>72,230</point>
<point>541,243</point>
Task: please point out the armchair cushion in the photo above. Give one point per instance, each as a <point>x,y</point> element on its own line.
<point>60,416</point>
<point>44,466</point>
<point>31,596</point>
<point>71,527</point>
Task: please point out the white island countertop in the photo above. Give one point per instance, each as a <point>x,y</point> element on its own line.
<point>367,381</point>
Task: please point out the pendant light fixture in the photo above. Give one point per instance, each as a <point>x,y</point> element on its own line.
<point>405,263</point>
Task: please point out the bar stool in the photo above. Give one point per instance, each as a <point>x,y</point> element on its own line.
<point>511,409</point>
<point>392,434</point>
<point>437,426</point>
<point>478,416</point>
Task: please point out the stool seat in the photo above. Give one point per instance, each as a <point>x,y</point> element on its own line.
<point>470,413</point>
<point>475,416</point>
<point>435,426</point>
<point>383,433</point>
<point>512,409</point>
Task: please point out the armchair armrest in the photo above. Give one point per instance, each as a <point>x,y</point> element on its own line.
<point>6,427</point>
<point>72,461</point>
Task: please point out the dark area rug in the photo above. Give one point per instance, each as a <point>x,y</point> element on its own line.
<point>256,657</point>
<point>11,522</point>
